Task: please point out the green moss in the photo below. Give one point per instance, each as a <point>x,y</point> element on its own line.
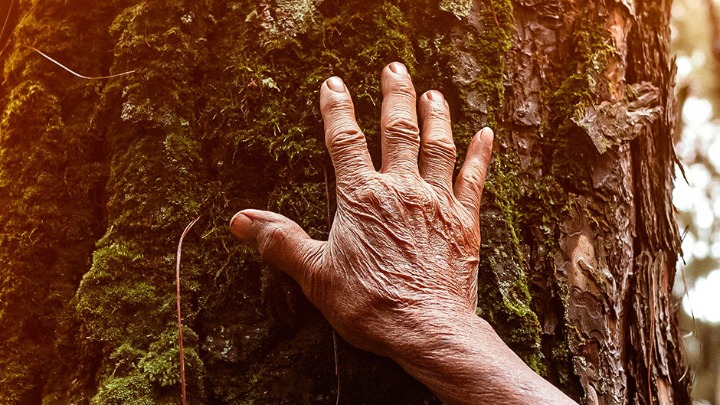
<point>590,49</point>
<point>561,359</point>
<point>459,8</point>
<point>160,365</point>
<point>126,357</point>
<point>154,188</point>
<point>134,390</point>
<point>51,176</point>
<point>580,85</point>
<point>516,203</point>
<point>491,48</point>
<point>307,202</point>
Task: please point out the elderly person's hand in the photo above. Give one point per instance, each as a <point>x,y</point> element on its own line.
<point>398,273</point>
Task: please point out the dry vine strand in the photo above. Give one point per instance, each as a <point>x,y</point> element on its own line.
<point>179,318</point>
<point>75,73</point>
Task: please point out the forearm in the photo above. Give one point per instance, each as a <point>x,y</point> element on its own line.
<point>463,361</point>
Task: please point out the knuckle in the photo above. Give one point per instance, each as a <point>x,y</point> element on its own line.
<point>401,126</point>
<point>362,193</point>
<point>337,105</point>
<point>273,237</point>
<point>440,145</point>
<point>439,185</point>
<point>403,88</point>
<point>344,137</point>
<point>471,179</point>
<point>435,112</point>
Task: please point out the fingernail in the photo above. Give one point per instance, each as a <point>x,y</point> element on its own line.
<point>241,225</point>
<point>335,84</point>
<point>434,95</point>
<point>399,68</point>
<point>486,132</point>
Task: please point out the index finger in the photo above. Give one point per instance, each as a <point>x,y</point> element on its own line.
<point>343,137</point>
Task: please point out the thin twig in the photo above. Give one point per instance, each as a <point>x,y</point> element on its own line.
<point>651,289</point>
<point>686,294</point>
<point>337,367</point>
<point>7,18</point>
<point>492,8</point>
<point>75,73</point>
<point>334,334</point>
<point>179,318</point>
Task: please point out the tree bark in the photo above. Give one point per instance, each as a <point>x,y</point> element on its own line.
<point>98,178</point>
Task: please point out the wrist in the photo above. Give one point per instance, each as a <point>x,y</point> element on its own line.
<point>429,337</point>
<point>463,361</point>
<point>442,340</point>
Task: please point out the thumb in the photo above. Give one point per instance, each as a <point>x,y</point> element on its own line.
<point>280,241</point>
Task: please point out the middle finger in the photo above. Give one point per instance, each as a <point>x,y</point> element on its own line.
<point>398,123</point>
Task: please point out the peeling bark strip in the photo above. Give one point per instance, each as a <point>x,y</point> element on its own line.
<point>616,123</point>
<point>579,239</point>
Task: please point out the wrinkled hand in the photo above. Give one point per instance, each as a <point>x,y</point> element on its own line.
<point>402,254</point>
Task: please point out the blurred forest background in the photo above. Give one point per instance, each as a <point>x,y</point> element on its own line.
<point>696,41</point>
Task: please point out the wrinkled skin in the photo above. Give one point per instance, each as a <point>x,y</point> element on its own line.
<point>398,273</point>
<point>403,245</point>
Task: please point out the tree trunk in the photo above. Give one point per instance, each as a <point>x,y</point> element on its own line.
<point>219,112</point>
